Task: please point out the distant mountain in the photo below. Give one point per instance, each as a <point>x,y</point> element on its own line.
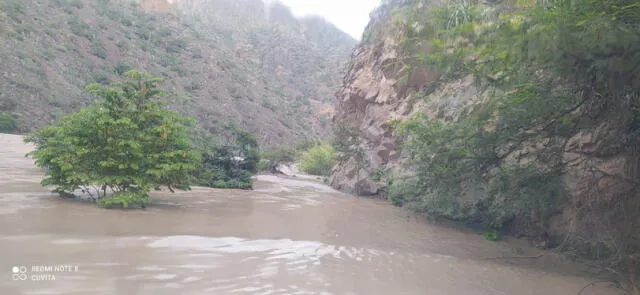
<point>238,60</point>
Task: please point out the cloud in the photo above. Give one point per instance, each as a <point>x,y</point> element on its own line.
<point>352,16</point>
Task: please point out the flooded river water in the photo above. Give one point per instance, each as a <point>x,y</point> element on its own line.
<point>288,236</point>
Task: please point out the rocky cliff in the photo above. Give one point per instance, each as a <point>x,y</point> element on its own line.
<point>599,171</point>
<point>372,95</point>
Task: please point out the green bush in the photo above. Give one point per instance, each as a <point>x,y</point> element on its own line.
<point>404,192</point>
<point>24,29</point>
<point>128,142</point>
<point>121,68</point>
<point>80,28</point>
<point>273,157</point>
<point>229,163</point>
<point>492,235</point>
<point>125,200</point>
<point>98,49</point>
<point>7,124</point>
<point>12,7</point>
<point>305,145</point>
<point>8,104</point>
<point>318,160</point>
<point>101,78</point>
<point>176,46</point>
<point>519,190</point>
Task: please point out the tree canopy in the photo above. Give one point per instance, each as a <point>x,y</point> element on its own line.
<point>128,143</point>
<point>229,160</point>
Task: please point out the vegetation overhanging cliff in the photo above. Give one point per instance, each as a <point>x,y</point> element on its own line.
<point>518,115</point>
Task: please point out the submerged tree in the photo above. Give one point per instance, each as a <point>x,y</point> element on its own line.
<point>128,143</point>
<point>231,161</point>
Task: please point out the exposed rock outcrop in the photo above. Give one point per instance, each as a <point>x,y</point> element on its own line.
<point>600,174</point>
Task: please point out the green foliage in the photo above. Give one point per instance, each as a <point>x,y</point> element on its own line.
<point>377,175</point>
<point>12,7</point>
<point>7,123</point>
<point>121,68</point>
<point>519,190</point>
<point>126,199</point>
<point>80,28</point>
<point>128,142</point>
<point>492,235</point>
<point>385,178</point>
<point>101,78</point>
<point>24,29</point>
<point>8,104</point>
<point>345,142</point>
<point>69,5</point>
<point>231,162</point>
<point>318,160</point>
<point>451,159</point>
<point>271,158</point>
<point>305,145</point>
<point>192,86</point>
<point>176,46</point>
<point>404,192</point>
<point>548,69</point>
<point>98,49</point>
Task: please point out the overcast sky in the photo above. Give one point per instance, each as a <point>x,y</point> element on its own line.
<point>352,16</point>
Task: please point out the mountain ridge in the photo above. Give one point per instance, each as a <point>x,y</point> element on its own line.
<point>275,77</point>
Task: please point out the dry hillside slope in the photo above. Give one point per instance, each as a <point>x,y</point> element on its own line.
<point>222,59</point>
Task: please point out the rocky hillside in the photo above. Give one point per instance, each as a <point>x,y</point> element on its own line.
<point>371,96</point>
<point>222,60</point>
<point>486,117</point>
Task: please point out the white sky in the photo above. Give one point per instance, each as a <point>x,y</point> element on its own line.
<point>351,16</point>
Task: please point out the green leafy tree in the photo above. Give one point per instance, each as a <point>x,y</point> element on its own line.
<point>128,143</point>
<point>272,158</point>
<point>318,160</point>
<point>230,161</point>
<point>7,123</point>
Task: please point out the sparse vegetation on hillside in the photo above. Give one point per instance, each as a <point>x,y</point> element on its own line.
<point>224,59</point>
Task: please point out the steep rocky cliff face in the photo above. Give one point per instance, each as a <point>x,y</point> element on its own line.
<point>372,95</point>
<point>600,174</point>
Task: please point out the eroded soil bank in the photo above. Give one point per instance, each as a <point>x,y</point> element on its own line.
<point>288,236</point>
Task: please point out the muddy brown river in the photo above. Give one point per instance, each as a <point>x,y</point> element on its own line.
<point>288,236</point>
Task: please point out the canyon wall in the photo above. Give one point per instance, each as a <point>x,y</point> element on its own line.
<point>599,174</point>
